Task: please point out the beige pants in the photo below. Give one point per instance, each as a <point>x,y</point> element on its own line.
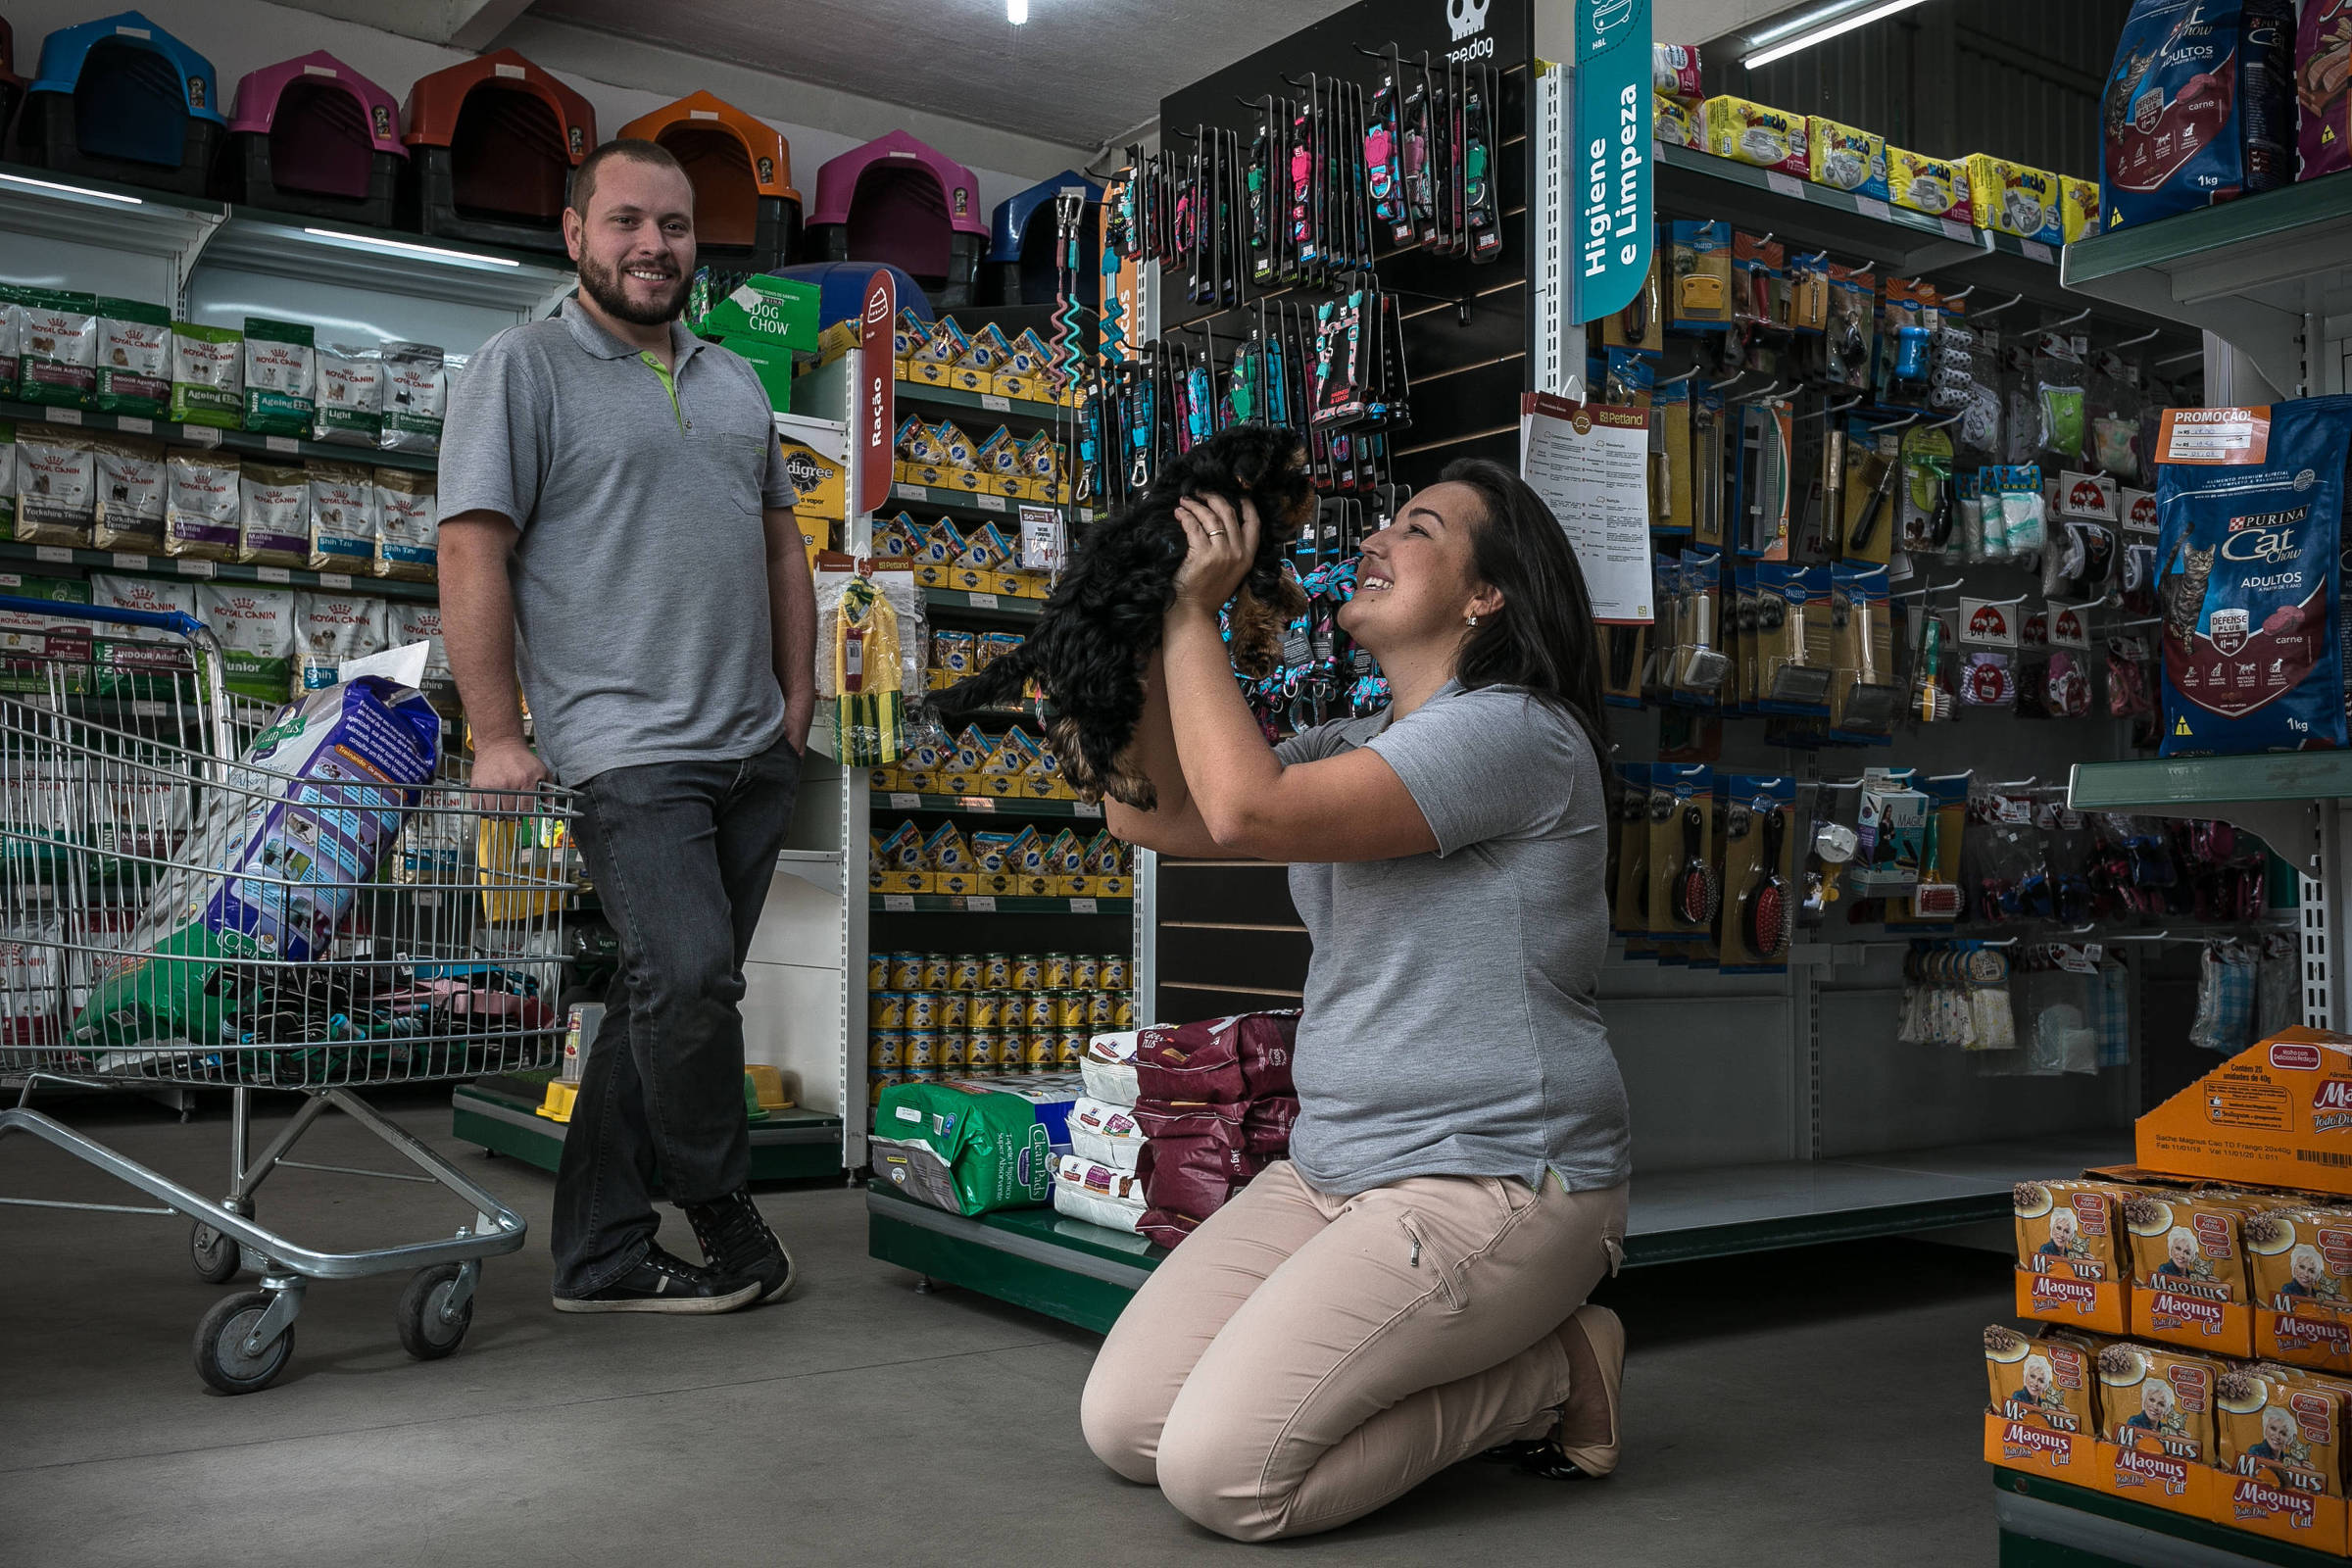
<point>1303,1358</point>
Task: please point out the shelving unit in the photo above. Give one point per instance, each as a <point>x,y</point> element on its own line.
<point>923,395</point>
<point>985,805</point>
<point>2049,1523</point>
<point>1009,605</point>
<point>991,904</point>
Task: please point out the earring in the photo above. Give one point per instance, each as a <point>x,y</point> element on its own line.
<point>1472,620</point>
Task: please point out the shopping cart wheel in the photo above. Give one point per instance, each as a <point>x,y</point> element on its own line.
<point>215,1255</point>
<point>220,1358</point>
<point>424,1331</point>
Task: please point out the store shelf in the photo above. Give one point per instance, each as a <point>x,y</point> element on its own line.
<point>319,250</point>
<point>948,397</point>
<point>2270,794</point>
<point>985,903</point>
<point>215,571</point>
<point>827,438</point>
<point>984,805</point>
<point>1064,1268</point>
<point>964,503</point>
<point>2049,1523</point>
<point>500,1114</point>
<point>820,867</point>
<point>204,435</point>
<point>1005,604</point>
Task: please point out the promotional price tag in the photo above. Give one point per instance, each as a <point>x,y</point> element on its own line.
<point>898,902</point>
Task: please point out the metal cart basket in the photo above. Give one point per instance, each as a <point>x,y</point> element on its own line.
<point>172,915</point>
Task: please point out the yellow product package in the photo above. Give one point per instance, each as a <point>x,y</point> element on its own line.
<point>1066,855</point>
<point>1674,122</point>
<point>2014,199</point>
<point>1930,185</point>
<point>1752,133</point>
<point>902,851</point>
<point>2079,202</point>
<point>946,850</point>
<point>1846,158</point>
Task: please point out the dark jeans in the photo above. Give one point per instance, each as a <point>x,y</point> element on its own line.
<point>682,854</point>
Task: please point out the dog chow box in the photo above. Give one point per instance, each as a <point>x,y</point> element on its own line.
<point>2073,1260</point>
<point>2277,1114</point>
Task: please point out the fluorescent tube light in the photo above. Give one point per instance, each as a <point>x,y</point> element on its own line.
<point>74,190</point>
<point>1821,28</point>
<point>400,247</point>
<point>1016,12</point>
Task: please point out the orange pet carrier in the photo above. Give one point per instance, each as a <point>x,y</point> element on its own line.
<point>492,145</point>
<point>747,217</point>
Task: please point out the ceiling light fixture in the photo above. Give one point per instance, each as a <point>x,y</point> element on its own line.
<point>1815,24</point>
<point>1016,12</point>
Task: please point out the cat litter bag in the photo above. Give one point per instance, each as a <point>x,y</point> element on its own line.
<point>2199,106</point>
<point>2249,537</point>
<point>311,810</point>
<point>961,1149</point>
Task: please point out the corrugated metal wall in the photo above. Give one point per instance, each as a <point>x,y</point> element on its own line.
<point>2017,78</point>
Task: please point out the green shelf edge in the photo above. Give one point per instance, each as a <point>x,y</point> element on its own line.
<point>222,571</point>
<point>2209,780</point>
<point>242,442</point>
<point>2024,1551</point>
<point>953,397</point>
<point>805,1147</point>
<point>2188,235</point>
<point>1692,160</point>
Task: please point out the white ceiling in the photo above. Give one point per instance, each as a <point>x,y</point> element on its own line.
<point>1081,72</point>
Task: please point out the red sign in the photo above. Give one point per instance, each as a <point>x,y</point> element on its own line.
<point>877,411</point>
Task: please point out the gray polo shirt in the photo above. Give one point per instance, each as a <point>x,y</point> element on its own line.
<point>1450,1024</point>
<point>640,581</point>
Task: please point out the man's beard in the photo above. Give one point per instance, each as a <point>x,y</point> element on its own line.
<point>605,286</point>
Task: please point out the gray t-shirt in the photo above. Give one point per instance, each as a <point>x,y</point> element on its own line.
<point>641,579</point>
<point>1451,1027</point>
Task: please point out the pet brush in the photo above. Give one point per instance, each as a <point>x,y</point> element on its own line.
<point>1698,890</point>
<point>1764,911</point>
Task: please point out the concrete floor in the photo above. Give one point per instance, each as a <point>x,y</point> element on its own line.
<point>1806,1409</point>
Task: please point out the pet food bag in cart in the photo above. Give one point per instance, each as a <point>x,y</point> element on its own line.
<point>2250,515</point>
<point>2199,106</point>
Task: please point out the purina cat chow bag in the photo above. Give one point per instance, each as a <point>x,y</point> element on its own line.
<point>2199,106</point>
<point>2250,507</point>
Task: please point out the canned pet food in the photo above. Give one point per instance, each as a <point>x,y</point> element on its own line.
<point>1069,1049</point>
<point>1122,1011</point>
<point>924,1075</point>
<point>963,972</point>
<point>1058,970</point>
<point>885,1010</point>
<point>955,1048</point>
<point>1037,1011</point>
<point>923,1049</point>
<point>956,1011</point>
<point>1028,971</point>
<point>1086,971</point>
<point>1101,1008</point>
<point>980,1055</point>
<point>987,1010</point>
<point>877,1082</point>
<point>922,1009</point>
<point>1114,975</point>
<point>934,971</point>
<point>906,971</point>
<point>886,1048</point>
<point>1037,1052</point>
<point>995,971</point>
<point>877,972</point>
<point>1069,1009</point>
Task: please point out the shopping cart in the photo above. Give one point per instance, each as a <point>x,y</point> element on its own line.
<point>126,816</point>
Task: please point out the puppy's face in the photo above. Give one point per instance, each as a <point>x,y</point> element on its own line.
<point>1265,463</point>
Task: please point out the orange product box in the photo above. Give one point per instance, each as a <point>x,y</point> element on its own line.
<point>930,372</point>
<point>2257,1503</point>
<point>2101,1306</point>
<point>2277,1113</point>
<point>2158,1401</point>
<point>2281,1456</point>
<point>2029,1447</point>
<point>2319,1337</point>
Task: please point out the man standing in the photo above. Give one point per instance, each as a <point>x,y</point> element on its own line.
<point>615,514</point>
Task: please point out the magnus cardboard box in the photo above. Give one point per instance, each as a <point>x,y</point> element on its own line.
<point>2277,1114</point>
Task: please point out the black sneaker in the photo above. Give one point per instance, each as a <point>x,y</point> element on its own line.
<point>736,1240</point>
<point>664,1283</point>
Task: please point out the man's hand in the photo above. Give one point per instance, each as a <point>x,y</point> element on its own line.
<point>506,768</point>
<point>800,711</point>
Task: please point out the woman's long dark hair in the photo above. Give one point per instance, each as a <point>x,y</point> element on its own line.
<point>1544,637</point>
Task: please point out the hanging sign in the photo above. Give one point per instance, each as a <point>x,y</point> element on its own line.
<point>1606,164</point>
<point>877,411</point>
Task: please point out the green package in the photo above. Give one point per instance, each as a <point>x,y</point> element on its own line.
<point>134,358</point>
<point>281,377</point>
<point>163,995</point>
<point>966,1151</point>
<point>208,376</point>
<point>255,626</point>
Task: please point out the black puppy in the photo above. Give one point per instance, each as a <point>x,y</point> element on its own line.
<point>1103,619</point>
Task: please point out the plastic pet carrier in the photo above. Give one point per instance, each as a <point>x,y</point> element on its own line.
<point>12,85</point>
<point>1021,267</point>
<point>121,99</point>
<point>492,144</point>
<point>898,201</point>
<point>747,217</point>
<point>840,288</point>
<point>313,137</point>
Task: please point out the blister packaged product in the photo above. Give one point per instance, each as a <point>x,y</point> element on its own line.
<point>135,358</point>
<point>202,504</point>
<point>281,377</point>
<point>56,483</point>
<point>128,514</point>
<point>342,518</point>
<point>350,396</point>
<point>208,376</point>
<point>254,624</point>
<point>274,501</point>
<point>58,364</point>
<point>2199,106</point>
<point>415,397</point>
<point>2061,394</point>
<point>408,526</point>
<point>330,629</point>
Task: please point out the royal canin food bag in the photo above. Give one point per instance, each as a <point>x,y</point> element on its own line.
<point>2250,507</point>
<point>2199,106</point>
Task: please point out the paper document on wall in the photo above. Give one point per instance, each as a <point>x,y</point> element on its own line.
<point>1591,464</point>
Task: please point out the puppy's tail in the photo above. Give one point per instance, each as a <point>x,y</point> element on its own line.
<point>998,686</point>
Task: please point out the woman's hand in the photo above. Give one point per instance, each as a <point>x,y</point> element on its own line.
<point>1220,547</point>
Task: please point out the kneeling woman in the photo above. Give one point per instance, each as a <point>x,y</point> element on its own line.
<point>1408,1288</point>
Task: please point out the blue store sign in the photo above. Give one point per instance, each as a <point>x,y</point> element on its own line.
<point>1607,161</point>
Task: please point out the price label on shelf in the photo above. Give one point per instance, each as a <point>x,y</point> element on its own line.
<point>134,425</point>
<point>1083,906</point>
<point>63,415</point>
<point>335,580</point>
<point>898,902</point>
<point>908,492</point>
<point>901,802</point>
<point>55,555</point>
<point>194,569</point>
<point>2037,251</point>
<point>1954,230</point>
<point>1082,808</point>
<point>990,503</point>
<point>281,443</point>
<point>1784,184</point>
<point>129,561</point>
<point>201,435</point>
<point>984,602</point>
<point>976,802</point>
<point>981,904</point>
<point>994,403</point>
<point>274,573</point>
<point>1872,207</point>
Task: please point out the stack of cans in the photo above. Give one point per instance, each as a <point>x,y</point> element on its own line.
<point>932,1015</point>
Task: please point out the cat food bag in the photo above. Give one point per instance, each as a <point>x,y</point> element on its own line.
<point>256,627</point>
<point>415,396</point>
<point>56,486</point>
<point>2158,1401</point>
<point>351,396</point>
<point>129,513</point>
<point>281,377</point>
<point>330,629</point>
<point>202,504</point>
<point>408,526</point>
<point>57,362</point>
<point>135,358</point>
<point>2049,1383</point>
<point>1099,1193</point>
<point>12,336</point>
<point>2249,506</point>
<point>2199,106</point>
<point>2323,63</point>
<point>273,509</point>
<point>342,518</point>
<point>208,376</point>
<point>315,805</point>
